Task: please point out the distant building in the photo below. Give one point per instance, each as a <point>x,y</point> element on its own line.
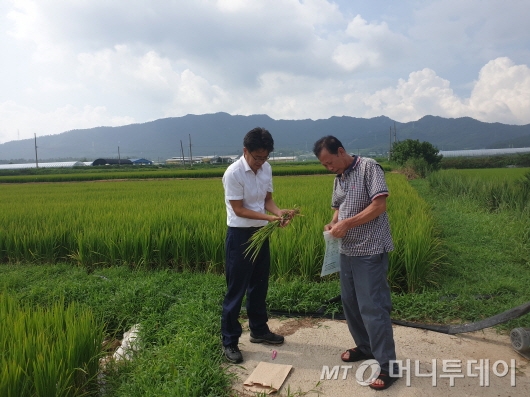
<point>141,162</point>
<point>282,158</point>
<point>220,159</point>
<point>186,160</point>
<point>112,162</point>
<point>203,159</point>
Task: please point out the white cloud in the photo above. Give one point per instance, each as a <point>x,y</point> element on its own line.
<point>291,96</point>
<point>120,69</point>
<point>174,92</point>
<point>501,94</point>
<point>368,45</point>
<point>456,38</point>
<point>31,25</point>
<point>194,94</point>
<point>25,18</point>
<point>423,93</point>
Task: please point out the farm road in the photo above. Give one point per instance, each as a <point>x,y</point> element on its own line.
<point>311,344</point>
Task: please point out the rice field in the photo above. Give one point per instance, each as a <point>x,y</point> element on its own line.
<point>181,224</point>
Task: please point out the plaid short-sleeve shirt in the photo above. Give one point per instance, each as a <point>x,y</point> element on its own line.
<point>353,191</point>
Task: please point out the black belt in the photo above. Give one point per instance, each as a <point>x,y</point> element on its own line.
<point>250,229</point>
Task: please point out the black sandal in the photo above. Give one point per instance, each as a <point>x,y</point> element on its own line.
<point>387,381</point>
<point>356,355</point>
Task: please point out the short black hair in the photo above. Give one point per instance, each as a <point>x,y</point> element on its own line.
<point>330,143</point>
<point>258,138</point>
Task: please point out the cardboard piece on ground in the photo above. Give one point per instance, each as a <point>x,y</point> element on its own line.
<point>267,378</point>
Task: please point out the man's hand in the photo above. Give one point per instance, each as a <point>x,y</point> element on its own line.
<point>328,227</point>
<point>339,229</point>
<point>273,218</point>
<point>287,215</point>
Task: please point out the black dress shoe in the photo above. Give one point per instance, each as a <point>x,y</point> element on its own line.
<point>233,354</point>
<point>271,338</point>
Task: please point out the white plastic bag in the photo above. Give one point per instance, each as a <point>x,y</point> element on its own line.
<point>332,255</point>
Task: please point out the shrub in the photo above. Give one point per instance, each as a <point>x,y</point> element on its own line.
<point>414,149</point>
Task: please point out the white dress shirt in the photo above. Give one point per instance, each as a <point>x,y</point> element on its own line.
<point>241,183</point>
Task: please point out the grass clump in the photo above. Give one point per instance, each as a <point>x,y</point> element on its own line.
<point>301,296</point>
<point>48,351</point>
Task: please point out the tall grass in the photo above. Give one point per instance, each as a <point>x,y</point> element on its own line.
<point>480,162</point>
<point>495,189</point>
<point>48,351</point>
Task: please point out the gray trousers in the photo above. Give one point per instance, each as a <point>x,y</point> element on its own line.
<point>367,304</point>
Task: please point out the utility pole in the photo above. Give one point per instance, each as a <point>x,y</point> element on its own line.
<point>191,156</point>
<point>390,147</point>
<point>119,159</point>
<point>395,138</point>
<point>182,152</point>
<point>36,157</point>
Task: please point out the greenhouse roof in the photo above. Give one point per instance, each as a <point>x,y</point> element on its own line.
<point>482,152</point>
<point>42,165</point>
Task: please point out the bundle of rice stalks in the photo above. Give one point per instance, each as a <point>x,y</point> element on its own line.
<point>256,241</point>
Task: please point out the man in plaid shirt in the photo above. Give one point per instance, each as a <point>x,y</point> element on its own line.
<point>361,221</point>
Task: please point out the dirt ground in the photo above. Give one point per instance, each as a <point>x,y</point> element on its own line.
<point>312,344</point>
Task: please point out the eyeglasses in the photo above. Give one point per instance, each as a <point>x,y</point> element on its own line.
<point>259,158</point>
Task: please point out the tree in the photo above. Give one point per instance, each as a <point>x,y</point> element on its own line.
<point>411,149</point>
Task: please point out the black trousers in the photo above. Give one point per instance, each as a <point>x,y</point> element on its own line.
<point>244,277</point>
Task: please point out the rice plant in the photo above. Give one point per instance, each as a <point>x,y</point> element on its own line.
<point>258,238</point>
<point>416,245</point>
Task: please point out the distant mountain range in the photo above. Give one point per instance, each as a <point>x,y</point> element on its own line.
<point>222,134</point>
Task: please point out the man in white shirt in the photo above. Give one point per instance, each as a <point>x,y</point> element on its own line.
<point>248,197</point>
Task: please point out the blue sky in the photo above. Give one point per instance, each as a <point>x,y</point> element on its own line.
<point>81,64</point>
